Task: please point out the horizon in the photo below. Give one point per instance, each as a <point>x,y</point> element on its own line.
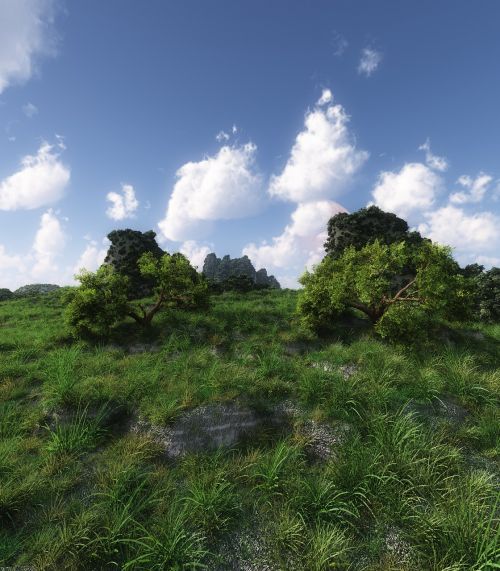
<point>241,128</point>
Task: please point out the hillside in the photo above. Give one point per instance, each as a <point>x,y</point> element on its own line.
<point>230,439</point>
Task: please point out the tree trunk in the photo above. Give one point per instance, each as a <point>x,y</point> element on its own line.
<point>373,313</point>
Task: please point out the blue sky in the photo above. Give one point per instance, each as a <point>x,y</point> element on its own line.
<point>243,126</point>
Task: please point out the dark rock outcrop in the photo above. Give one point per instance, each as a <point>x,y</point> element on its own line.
<point>5,294</point>
<point>34,289</point>
<point>219,270</point>
<point>127,246</point>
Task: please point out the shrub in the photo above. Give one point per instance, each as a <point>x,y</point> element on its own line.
<point>98,304</point>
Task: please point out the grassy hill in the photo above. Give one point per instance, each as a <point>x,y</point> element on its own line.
<point>341,452</point>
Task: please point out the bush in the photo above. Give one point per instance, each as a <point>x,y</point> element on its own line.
<point>98,304</point>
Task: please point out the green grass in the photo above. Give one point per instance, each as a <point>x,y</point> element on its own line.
<point>409,488</point>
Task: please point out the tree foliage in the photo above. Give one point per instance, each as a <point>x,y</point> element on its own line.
<point>102,301</point>
<point>364,227</point>
<point>374,280</point>
<point>489,295</point>
<point>99,303</point>
<point>176,284</point>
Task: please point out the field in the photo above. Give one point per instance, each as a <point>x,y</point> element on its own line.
<point>355,454</point>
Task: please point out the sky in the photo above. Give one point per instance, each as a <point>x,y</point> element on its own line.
<point>241,127</point>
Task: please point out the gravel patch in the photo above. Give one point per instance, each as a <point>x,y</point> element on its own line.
<point>246,550</point>
<point>398,547</point>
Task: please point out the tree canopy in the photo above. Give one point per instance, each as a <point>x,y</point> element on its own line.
<point>374,280</point>
<point>103,298</point>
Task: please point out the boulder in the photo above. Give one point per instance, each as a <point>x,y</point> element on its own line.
<point>219,270</point>
<point>127,246</point>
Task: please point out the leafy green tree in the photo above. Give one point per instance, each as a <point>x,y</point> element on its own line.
<point>99,303</point>
<point>373,280</point>
<point>176,284</point>
<point>489,295</point>
<point>102,300</point>
<point>364,227</point>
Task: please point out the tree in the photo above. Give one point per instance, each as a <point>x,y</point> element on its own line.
<point>489,295</point>
<point>176,284</point>
<point>100,303</point>
<point>364,227</point>
<point>373,280</point>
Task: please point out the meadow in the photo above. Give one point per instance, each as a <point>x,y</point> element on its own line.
<point>409,481</point>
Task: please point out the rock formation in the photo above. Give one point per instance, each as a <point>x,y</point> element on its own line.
<point>34,289</point>
<point>5,294</point>
<point>219,270</point>
<point>127,246</point>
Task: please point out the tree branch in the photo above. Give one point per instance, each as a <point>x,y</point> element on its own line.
<point>402,290</point>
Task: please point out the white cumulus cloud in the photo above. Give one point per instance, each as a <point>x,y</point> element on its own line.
<point>26,32</point>
<point>40,180</point>
<point>195,252</point>
<point>433,161</point>
<point>475,233</point>
<point>42,262</point>
<point>475,188</point>
<point>123,205</point>
<point>92,256</point>
<point>225,186</point>
<point>49,244</point>
<point>323,158</point>
<point>300,245</point>
<point>407,192</point>
<point>369,61</point>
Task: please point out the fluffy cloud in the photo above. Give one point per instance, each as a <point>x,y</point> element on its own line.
<point>42,262</point>
<point>323,158</point>
<point>48,245</point>
<point>326,98</point>
<point>41,180</point>
<point>300,244</point>
<point>196,253</point>
<point>220,187</point>
<point>475,189</point>
<point>92,257</point>
<point>369,62</point>
<point>479,232</point>
<point>433,161</point>
<point>26,32</point>
<point>413,189</point>
<point>9,263</point>
<point>122,205</point>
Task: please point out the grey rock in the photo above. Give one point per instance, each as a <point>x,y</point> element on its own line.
<point>34,289</point>
<point>218,270</point>
<point>204,428</point>
<point>5,294</point>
